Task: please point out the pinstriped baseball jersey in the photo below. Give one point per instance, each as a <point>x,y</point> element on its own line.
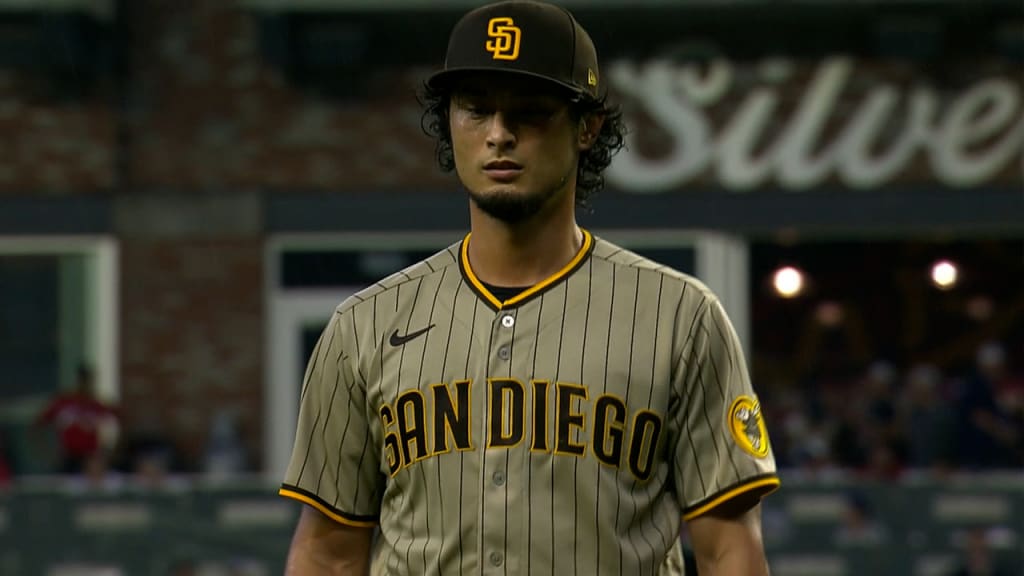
<point>568,430</point>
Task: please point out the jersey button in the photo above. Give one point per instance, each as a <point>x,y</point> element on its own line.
<point>504,353</point>
<point>508,321</point>
<point>497,559</point>
<point>499,478</point>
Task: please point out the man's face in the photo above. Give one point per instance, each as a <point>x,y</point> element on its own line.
<point>516,146</point>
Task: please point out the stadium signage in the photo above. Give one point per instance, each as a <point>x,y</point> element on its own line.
<point>766,126</point>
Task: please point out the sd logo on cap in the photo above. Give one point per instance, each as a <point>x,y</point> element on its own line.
<point>523,37</point>
<point>505,38</point>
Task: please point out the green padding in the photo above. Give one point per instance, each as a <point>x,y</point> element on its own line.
<point>146,533</point>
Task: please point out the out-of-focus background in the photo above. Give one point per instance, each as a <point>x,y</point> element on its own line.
<point>187,189</point>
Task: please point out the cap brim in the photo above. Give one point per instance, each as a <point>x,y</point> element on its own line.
<point>444,79</point>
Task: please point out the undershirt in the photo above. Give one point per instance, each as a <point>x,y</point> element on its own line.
<point>504,293</point>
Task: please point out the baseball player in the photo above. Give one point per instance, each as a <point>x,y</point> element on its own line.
<point>532,399</point>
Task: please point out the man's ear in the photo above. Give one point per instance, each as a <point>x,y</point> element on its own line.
<point>588,130</point>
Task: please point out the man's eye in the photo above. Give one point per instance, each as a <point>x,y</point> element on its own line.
<point>476,111</point>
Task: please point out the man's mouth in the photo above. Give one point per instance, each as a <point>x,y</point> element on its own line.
<point>503,170</point>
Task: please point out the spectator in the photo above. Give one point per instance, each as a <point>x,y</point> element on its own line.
<point>151,470</point>
<point>866,436</point>
<point>877,388</point>
<point>153,461</point>
<point>926,419</point>
<point>986,435</point>
<point>885,461</point>
<point>225,453</point>
<point>1009,393</point>
<point>883,437</point>
<point>79,418</point>
<point>849,438</point>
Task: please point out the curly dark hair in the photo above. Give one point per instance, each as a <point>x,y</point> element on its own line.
<point>592,163</point>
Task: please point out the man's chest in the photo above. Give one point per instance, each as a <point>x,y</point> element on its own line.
<point>552,378</point>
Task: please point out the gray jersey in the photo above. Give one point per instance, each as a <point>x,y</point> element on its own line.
<point>566,431</point>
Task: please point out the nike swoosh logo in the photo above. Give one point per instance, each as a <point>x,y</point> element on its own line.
<point>397,340</point>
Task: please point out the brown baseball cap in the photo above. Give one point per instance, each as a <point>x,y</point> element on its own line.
<point>523,37</point>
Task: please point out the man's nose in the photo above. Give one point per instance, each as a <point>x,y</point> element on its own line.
<point>500,132</point>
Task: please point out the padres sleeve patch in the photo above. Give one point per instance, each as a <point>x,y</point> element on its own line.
<point>747,426</point>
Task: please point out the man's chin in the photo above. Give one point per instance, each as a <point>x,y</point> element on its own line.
<point>507,205</point>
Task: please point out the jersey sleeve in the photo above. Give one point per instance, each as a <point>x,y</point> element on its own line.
<point>721,446</point>
<point>334,465</point>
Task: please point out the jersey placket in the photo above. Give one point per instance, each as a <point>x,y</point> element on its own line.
<point>496,498</point>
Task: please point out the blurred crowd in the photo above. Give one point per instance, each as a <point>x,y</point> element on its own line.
<point>890,419</point>
<point>79,438</point>
<point>881,423</point>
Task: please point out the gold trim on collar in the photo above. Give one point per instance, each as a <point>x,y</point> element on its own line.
<point>588,242</point>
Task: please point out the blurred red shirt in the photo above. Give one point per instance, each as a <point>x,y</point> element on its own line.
<point>77,418</point>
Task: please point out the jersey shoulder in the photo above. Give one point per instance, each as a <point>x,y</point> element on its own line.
<point>433,264</point>
<point>624,258</point>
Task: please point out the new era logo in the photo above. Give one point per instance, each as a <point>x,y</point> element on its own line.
<point>504,38</point>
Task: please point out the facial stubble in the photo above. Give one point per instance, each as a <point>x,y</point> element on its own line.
<point>512,207</point>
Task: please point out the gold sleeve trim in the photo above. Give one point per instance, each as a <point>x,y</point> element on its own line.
<point>324,509</point>
<point>772,482</point>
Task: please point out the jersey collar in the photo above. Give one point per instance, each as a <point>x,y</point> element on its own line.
<point>531,292</point>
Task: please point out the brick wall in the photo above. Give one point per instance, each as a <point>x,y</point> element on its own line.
<point>192,345</point>
<point>55,148</point>
<point>212,114</point>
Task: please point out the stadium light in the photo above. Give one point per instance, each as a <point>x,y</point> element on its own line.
<point>944,274</point>
<point>788,282</point>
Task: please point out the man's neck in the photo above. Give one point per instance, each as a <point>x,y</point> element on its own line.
<point>522,255</point>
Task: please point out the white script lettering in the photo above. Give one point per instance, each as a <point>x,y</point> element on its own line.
<point>967,137</point>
